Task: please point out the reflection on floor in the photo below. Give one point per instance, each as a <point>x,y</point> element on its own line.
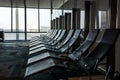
<point>99,77</point>
<point>13,57</point>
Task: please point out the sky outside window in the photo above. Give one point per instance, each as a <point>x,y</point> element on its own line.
<point>5,18</point>
<point>32,19</point>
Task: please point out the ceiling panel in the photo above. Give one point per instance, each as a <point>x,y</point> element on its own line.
<point>101,4</point>
<point>31,3</point>
<point>5,3</point>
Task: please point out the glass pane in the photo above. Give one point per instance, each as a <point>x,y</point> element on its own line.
<point>99,19</point>
<point>5,18</point>
<point>10,36</point>
<point>14,19</point>
<point>21,20</point>
<point>56,13</point>
<point>32,20</point>
<point>30,35</point>
<point>103,21</point>
<point>21,36</point>
<point>82,19</point>
<point>44,20</point>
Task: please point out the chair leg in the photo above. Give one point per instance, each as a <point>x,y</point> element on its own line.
<point>107,73</point>
<point>89,75</point>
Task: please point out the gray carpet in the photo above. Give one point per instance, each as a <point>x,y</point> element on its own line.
<point>13,58</point>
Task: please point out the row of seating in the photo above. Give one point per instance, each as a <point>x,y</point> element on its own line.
<point>52,52</point>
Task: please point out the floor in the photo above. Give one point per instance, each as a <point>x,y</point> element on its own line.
<point>13,58</point>
<point>100,77</point>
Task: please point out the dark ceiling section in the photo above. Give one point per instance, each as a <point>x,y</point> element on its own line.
<point>18,3</point>
<point>72,4</point>
<point>66,4</point>
<point>5,3</point>
<point>32,3</point>
<point>101,4</point>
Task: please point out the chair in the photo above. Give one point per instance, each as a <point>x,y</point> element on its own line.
<point>70,68</point>
<point>49,33</point>
<point>80,51</point>
<point>62,49</point>
<point>44,39</point>
<point>60,44</point>
<point>49,44</point>
<point>90,62</point>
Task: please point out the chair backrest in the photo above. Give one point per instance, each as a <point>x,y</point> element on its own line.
<point>54,33</point>
<point>71,41</point>
<point>110,36</point>
<point>61,35</point>
<point>58,40</point>
<point>48,33</point>
<point>57,35</point>
<point>107,42</point>
<point>92,34</point>
<point>69,35</point>
<point>84,47</point>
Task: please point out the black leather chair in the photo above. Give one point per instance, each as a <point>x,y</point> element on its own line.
<point>45,39</point>
<point>63,42</point>
<point>62,49</point>
<point>68,68</point>
<point>90,62</point>
<point>50,44</point>
<point>48,41</point>
<point>80,51</point>
<point>48,34</point>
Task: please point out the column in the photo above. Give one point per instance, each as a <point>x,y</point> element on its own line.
<point>78,18</point>
<point>66,22</point>
<point>60,23</point>
<point>112,23</point>
<point>56,22</point>
<point>87,18</point>
<point>92,14</point>
<point>69,21</point>
<point>74,18</point>
<point>112,13</point>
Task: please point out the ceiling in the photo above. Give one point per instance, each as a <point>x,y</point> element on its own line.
<point>31,3</point>
<point>100,4</point>
<point>45,4</point>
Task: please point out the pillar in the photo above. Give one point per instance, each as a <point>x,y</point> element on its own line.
<point>92,14</point>
<point>78,18</point>
<point>112,13</point>
<point>87,18</point>
<point>74,18</point>
<point>69,21</point>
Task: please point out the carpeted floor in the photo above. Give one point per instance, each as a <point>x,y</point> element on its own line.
<point>13,57</point>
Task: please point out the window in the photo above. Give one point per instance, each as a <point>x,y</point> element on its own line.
<point>18,22</point>
<point>44,20</point>
<point>56,13</point>
<point>5,18</point>
<point>82,16</point>
<point>32,20</point>
<point>103,21</point>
